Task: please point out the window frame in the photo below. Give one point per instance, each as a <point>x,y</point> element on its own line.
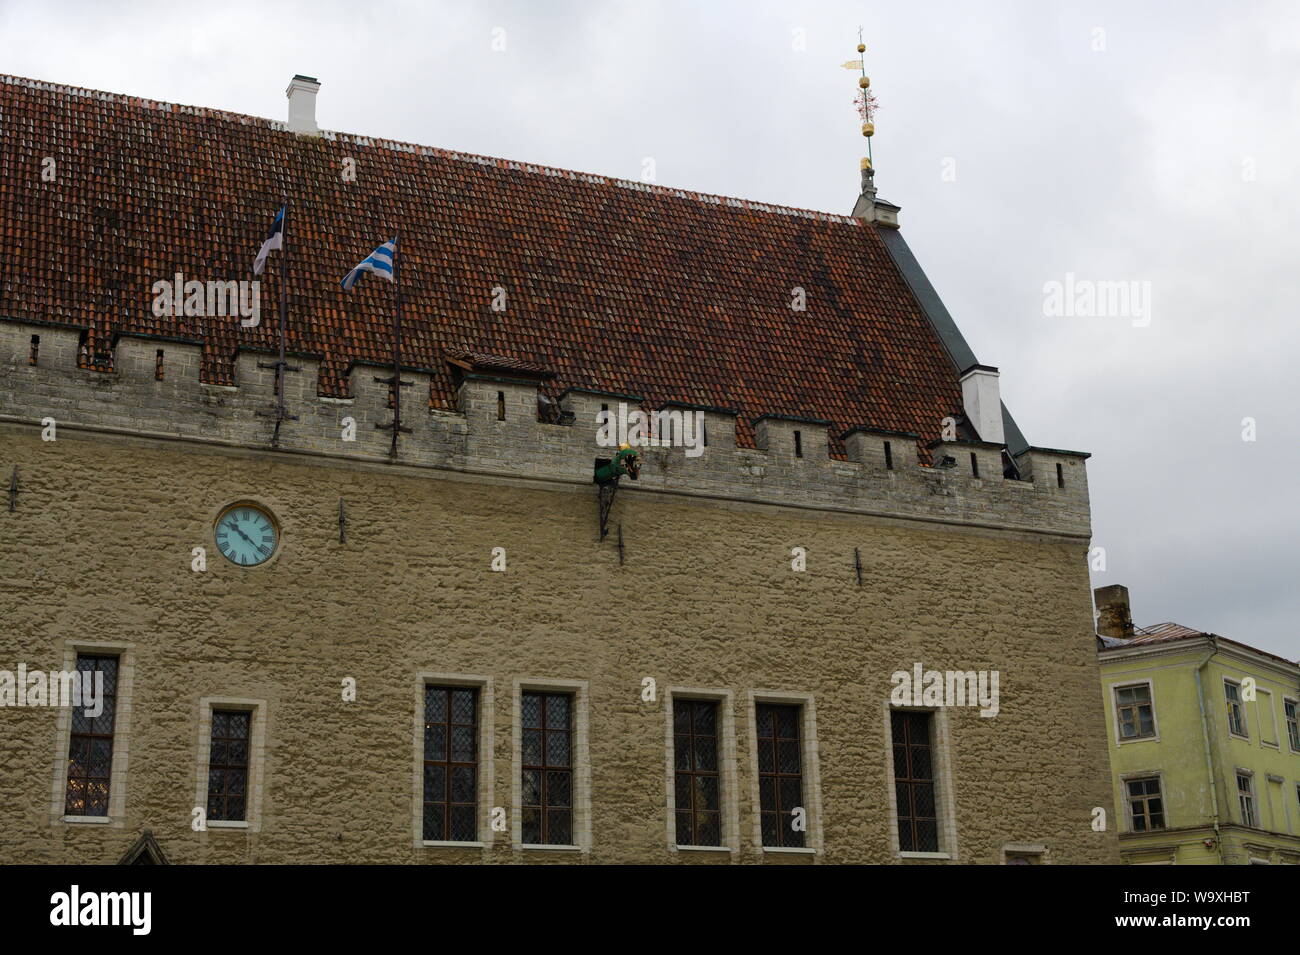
<point>450,763</point>
<point>1249,792</point>
<point>1037,851</point>
<point>227,766</point>
<point>809,768</point>
<point>118,774</point>
<point>111,735</point>
<point>1264,705</point>
<point>933,781</point>
<point>486,738</point>
<point>727,773</point>
<point>1129,815</point>
<point>255,786</point>
<point>1120,739</point>
<point>578,755</point>
<point>783,813</point>
<point>1292,722</point>
<point>945,811</point>
<point>1240,705</point>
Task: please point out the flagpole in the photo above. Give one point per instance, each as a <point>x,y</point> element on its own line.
<point>397,342</point>
<point>281,363</point>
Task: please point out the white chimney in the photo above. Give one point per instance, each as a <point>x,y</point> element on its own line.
<point>302,105</point>
<point>979,394</point>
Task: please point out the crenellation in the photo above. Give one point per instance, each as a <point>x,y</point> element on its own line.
<point>790,440</point>
<point>890,450</point>
<point>585,405</point>
<point>974,459</point>
<point>478,439</point>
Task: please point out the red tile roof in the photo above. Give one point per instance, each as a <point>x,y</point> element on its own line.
<point>612,285</point>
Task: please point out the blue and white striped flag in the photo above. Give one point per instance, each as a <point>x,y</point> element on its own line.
<point>379,261</point>
<point>274,240</point>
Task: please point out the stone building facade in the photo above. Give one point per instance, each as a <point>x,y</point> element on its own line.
<point>733,640</point>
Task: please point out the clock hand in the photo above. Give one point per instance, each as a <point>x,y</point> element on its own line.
<point>242,534</point>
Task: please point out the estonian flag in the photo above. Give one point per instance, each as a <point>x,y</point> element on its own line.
<point>274,240</point>
<point>379,261</point>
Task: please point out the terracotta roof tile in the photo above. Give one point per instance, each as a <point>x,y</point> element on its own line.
<point>612,285</point>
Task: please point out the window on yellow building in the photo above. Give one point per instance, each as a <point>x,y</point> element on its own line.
<point>1246,798</point>
<point>1236,713</point>
<point>1266,718</point>
<point>1292,710</point>
<point>1146,807</point>
<point>1135,711</point>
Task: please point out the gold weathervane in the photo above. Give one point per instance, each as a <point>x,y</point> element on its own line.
<point>866,101</point>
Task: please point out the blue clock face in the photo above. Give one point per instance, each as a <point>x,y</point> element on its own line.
<point>246,535</point>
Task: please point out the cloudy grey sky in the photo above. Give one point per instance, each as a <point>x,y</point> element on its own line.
<point>1152,142</point>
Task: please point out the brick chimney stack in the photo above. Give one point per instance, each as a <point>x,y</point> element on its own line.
<point>1114,619</point>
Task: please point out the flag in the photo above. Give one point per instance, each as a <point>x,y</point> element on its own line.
<point>274,240</point>
<point>379,261</point>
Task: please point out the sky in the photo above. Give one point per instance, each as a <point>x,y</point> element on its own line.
<point>1028,143</point>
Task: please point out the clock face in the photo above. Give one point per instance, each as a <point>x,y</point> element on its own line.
<point>246,535</point>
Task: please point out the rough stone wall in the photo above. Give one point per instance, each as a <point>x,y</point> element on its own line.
<point>99,549</point>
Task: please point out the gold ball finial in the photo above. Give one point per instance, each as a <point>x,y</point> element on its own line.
<point>864,82</point>
<point>862,48</point>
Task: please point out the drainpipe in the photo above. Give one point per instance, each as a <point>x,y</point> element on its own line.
<point>1205,740</point>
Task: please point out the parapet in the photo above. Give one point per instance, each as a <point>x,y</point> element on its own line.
<point>153,390</point>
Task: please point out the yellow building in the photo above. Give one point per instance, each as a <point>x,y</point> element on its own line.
<point>1204,743</point>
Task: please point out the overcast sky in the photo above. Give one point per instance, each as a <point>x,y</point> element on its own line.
<point>1151,143</point>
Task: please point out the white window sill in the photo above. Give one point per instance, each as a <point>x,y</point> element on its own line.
<point>925,855</point>
<point>792,850</point>
<point>445,844</point>
<point>88,820</point>
<point>227,824</point>
<point>701,848</point>
<point>543,848</point>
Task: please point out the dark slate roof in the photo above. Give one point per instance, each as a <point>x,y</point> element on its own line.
<point>612,285</point>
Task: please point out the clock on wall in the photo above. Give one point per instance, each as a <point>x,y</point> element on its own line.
<point>246,534</point>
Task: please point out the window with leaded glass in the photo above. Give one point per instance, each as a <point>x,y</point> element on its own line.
<point>698,786</point>
<point>546,790</point>
<point>1146,808</point>
<point>90,748</point>
<point>1236,713</point>
<point>1246,799</point>
<point>228,766</point>
<point>780,773</point>
<point>914,787</point>
<point>451,764</point>
<point>1137,719</point>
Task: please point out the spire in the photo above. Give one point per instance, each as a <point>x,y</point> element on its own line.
<point>868,206</point>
